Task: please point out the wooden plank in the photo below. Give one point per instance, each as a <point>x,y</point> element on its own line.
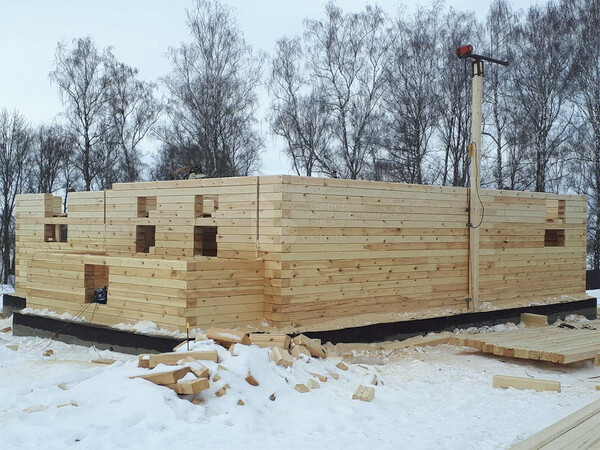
<point>167,377</point>
<point>505,381</point>
<point>270,340</point>
<point>227,337</point>
<point>554,431</point>
<point>173,358</point>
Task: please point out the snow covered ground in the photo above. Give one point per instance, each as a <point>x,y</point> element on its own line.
<point>434,397</point>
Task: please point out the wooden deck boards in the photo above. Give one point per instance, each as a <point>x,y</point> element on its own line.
<point>557,345</point>
<point>579,430</point>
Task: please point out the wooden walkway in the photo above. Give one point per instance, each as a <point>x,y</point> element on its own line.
<point>557,345</point>
<point>580,430</point>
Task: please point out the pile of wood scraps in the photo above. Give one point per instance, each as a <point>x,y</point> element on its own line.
<point>190,376</point>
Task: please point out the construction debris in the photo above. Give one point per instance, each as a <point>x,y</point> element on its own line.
<point>251,380</point>
<point>322,378</point>
<point>270,340</point>
<point>226,337</point>
<point>49,352</point>
<point>364,393</point>
<point>534,320</point>
<point>281,357</point>
<point>313,384</point>
<point>313,345</point>
<point>190,387</point>
<point>201,372</point>
<point>164,378</point>
<point>5,329</point>
<point>13,347</point>
<point>341,366</point>
<point>300,350</point>
<point>302,388</point>
<point>171,359</point>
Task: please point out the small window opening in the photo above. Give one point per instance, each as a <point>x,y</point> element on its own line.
<point>206,205</point>
<point>62,232</point>
<point>205,241</point>
<point>555,210</point>
<point>49,233</point>
<point>95,278</point>
<point>55,233</point>
<point>554,238</point>
<point>145,238</point>
<point>145,205</point>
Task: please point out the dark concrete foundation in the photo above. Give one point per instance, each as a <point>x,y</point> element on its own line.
<point>87,334</point>
<point>12,303</point>
<point>403,330</point>
<point>123,341</point>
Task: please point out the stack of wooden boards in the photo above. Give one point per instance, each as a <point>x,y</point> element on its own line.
<point>580,430</point>
<point>198,377</point>
<point>546,343</point>
<point>297,251</point>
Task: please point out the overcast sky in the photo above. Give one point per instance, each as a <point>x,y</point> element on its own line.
<point>140,32</point>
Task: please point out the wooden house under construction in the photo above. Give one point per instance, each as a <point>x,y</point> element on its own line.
<point>308,253</point>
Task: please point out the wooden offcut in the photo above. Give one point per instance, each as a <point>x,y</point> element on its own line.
<point>505,381</point>
<point>281,357</point>
<point>302,388</point>
<point>313,384</point>
<point>251,380</point>
<point>364,393</point>
<point>312,345</point>
<point>534,320</point>
<point>298,350</point>
<point>597,360</point>
<point>270,340</point>
<point>578,430</point>
<point>341,366</point>
<point>190,387</point>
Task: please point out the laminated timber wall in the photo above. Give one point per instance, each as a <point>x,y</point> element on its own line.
<point>391,251</point>
<point>300,252</point>
<point>166,282</point>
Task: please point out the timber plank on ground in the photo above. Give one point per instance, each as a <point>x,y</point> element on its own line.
<point>554,344</point>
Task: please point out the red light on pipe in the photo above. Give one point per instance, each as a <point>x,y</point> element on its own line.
<point>464,51</point>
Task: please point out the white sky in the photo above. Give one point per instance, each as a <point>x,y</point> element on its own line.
<point>140,32</point>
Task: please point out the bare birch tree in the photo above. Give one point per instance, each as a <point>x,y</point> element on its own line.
<point>212,105</point>
<point>298,111</point>
<point>348,54</point>
<point>80,72</point>
<point>15,148</point>
<point>134,110</point>
<point>542,86</point>
<point>413,94</point>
